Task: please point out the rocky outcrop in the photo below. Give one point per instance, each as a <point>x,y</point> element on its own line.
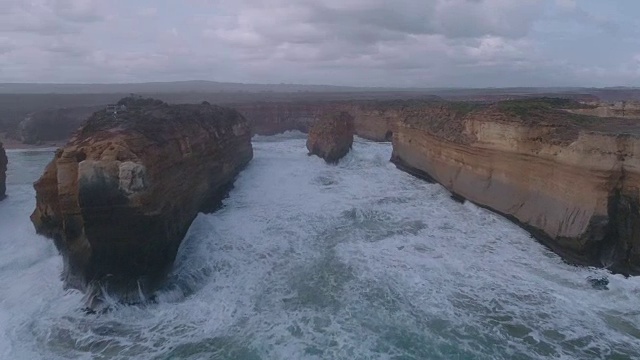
<point>572,181</point>
<point>331,137</point>
<point>53,124</point>
<point>118,199</point>
<point>3,172</point>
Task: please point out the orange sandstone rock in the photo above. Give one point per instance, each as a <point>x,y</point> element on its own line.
<point>118,199</point>
<point>572,181</point>
<point>331,137</point>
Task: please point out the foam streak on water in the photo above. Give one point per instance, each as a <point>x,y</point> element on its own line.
<point>311,261</point>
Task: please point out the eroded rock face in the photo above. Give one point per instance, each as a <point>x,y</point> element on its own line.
<point>331,137</point>
<point>119,198</point>
<point>3,172</point>
<point>373,120</point>
<point>276,118</point>
<point>572,181</point>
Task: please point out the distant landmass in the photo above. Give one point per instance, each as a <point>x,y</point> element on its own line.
<point>168,87</point>
<point>27,103</point>
<point>202,86</point>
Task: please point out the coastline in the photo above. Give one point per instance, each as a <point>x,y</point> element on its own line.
<point>13,144</point>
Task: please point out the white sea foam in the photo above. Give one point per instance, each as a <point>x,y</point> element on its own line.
<point>308,260</point>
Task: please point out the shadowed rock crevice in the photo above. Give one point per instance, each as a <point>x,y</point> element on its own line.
<point>119,198</point>
<point>620,246</point>
<point>3,172</point>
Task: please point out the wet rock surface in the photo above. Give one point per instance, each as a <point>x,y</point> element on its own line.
<point>598,283</point>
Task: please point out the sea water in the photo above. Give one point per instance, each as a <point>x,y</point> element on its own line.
<point>314,261</point>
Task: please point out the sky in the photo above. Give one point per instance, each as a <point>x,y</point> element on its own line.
<point>405,43</point>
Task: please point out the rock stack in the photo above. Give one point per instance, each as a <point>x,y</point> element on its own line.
<point>331,137</point>
<point>119,198</point>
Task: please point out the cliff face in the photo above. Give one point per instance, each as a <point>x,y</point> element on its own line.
<point>276,118</point>
<point>53,124</point>
<point>3,172</point>
<point>572,181</point>
<point>373,120</point>
<point>331,137</point>
<point>118,199</point>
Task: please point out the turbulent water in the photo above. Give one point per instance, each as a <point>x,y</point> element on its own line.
<point>311,261</point>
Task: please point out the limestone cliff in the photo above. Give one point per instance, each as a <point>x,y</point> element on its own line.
<point>118,199</point>
<point>373,120</point>
<point>572,181</point>
<point>331,137</point>
<point>275,118</point>
<point>3,172</point>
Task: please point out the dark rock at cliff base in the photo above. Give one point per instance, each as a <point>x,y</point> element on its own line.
<point>331,137</point>
<point>598,283</point>
<point>118,199</point>
<point>3,172</point>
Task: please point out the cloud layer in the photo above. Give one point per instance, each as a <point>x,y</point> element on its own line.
<point>426,43</point>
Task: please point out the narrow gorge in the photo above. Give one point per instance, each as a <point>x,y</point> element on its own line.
<point>572,181</point>
<point>569,179</point>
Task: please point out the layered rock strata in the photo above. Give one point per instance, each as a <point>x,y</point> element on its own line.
<point>119,198</point>
<point>572,181</point>
<point>275,118</point>
<point>331,137</point>
<point>373,120</point>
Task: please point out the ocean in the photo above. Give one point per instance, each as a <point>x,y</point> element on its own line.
<point>313,261</point>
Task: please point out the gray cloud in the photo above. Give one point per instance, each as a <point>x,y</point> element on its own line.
<point>359,42</point>
<point>571,10</point>
<point>48,17</point>
<point>83,11</point>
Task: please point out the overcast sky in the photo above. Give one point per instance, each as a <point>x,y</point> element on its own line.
<point>425,43</point>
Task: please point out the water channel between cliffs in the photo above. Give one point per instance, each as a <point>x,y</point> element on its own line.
<point>311,261</point>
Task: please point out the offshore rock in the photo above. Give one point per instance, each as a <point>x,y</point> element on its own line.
<point>3,172</point>
<point>119,198</point>
<point>331,137</point>
<point>572,181</point>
